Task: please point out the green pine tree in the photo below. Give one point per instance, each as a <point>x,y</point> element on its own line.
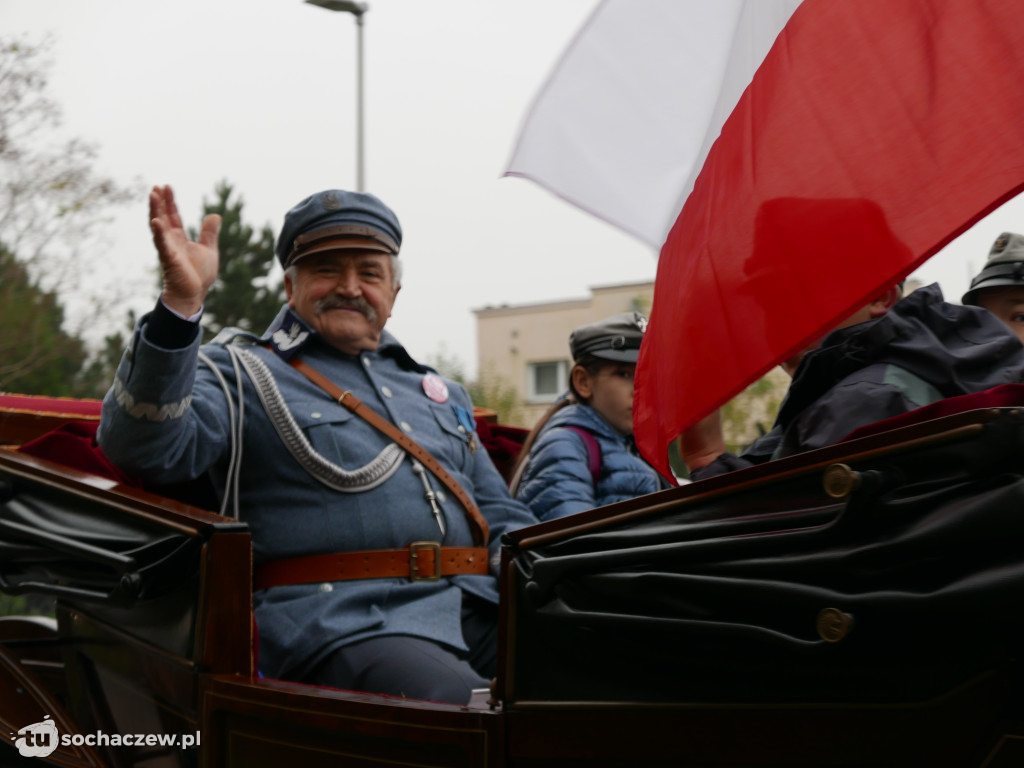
<point>54,209</point>
<point>37,357</point>
<point>244,295</point>
<point>93,380</point>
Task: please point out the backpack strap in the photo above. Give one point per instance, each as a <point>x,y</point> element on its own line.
<point>593,450</point>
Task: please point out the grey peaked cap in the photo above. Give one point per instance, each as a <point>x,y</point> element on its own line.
<point>1005,266</point>
<point>333,216</point>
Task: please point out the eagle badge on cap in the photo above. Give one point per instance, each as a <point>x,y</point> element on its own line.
<point>331,201</point>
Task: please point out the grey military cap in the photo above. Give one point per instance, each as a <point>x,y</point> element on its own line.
<point>336,219</point>
<point>1005,266</point>
<point>615,338</point>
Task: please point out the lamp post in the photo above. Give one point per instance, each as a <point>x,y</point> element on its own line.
<point>356,9</point>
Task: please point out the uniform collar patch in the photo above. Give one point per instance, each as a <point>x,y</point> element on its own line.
<point>291,336</point>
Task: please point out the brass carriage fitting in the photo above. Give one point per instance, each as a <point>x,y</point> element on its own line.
<point>840,481</point>
<point>833,624</point>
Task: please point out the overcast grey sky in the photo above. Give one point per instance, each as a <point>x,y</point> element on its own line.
<point>262,93</point>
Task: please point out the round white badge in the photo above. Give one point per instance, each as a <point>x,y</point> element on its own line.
<point>435,388</point>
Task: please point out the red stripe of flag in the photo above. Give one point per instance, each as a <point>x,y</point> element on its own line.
<point>873,133</point>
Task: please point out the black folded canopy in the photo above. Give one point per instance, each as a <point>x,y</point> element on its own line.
<point>760,586</point>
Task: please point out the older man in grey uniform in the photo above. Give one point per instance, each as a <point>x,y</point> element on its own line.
<point>374,558</point>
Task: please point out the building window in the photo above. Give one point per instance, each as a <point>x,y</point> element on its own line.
<point>547,381</point>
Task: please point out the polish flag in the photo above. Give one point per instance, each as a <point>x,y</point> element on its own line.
<point>790,160</point>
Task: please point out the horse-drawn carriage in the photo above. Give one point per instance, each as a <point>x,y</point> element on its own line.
<point>858,605</point>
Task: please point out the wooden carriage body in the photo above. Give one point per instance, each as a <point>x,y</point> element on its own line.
<point>653,632</point>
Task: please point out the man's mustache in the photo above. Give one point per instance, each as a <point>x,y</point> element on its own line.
<point>340,302</point>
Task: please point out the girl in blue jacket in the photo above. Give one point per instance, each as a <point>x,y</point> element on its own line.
<point>581,453</point>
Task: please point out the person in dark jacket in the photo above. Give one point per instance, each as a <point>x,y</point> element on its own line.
<point>581,453</point>
<point>890,362</point>
<point>999,287</point>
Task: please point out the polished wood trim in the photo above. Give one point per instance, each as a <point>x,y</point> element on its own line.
<point>224,623</point>
<point>166,676</point>
<point>133,501</point>
<point>504,684</point>
<point>949,731</point>
<point>250,721</point>
<point>18,426</point>
<point>25,701</point>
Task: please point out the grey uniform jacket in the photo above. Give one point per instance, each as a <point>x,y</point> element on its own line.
<point>342,486</point>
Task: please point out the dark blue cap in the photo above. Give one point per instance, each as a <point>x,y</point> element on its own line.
<point>337,219</point>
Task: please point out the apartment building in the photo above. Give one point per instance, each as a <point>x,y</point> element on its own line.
<point>526,346</point>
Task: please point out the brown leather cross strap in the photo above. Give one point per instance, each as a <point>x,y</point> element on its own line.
<point>354,404</point>
<point>420,561</point>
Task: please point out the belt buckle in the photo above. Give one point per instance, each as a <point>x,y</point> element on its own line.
<point>414,554</point>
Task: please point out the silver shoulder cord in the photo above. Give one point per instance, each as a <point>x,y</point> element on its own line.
<point>235,429</point>
<point>364,478</point>
<point>357,480</point>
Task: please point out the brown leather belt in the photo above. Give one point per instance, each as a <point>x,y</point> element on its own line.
<point>420,561</point>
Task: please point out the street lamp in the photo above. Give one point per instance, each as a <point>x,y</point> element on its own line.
<point>357,10</point>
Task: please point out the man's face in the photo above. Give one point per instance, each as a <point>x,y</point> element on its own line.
<point>345,295</point>
<point>1007,303</point>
